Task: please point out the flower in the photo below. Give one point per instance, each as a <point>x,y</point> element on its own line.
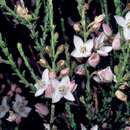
<point>100,46</point>
<point>63,88</point>
<point>41,109</point>
<point>42,84</point>
<point>116,44</point>
<point>125,23</point>
<point>104,76</point>
<point>4,107</point>
<point>82,49</point>
<point>83,127</point>
<point>107,30</point>
<point>20,106</point>
<point>95,127</point>
<point>127,128</point>
<point>94,59</point>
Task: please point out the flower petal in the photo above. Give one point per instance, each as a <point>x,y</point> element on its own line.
<point>120,20</point>
<point>77,41</point>
<point>116,44</point>
<point>56,97</point>
<point>104,50</point>
<point>107,30</point>
<point>126,33</point>
<point>127,17</point>
<point>65,81</point>
<point>39,92</point>
<point>76,54</point>
<point>89,45</point>
<point>69,96</point>
<point>100,39</point>
<point>25,112</point>
<point>45,76</point>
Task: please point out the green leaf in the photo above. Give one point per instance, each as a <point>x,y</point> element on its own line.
<point>2,2</point>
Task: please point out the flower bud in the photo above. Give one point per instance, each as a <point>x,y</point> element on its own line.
<point>60,49</point>
<point>48,50</point>
<point>104,76</point>
<point>107,30</point>
<point>61,63</point>
<point>94,59</point>
<point>76,27</point>
<point>64,72</point>
<point>116,44</point>
<point>121,96</point>
<point>43,62</point>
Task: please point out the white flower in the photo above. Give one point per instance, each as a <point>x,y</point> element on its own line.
<point>100,46</point>
<point>63,88</point>
<point>82,49</point>
<point>20,106</point>
<point>95,127</point>
<point>125,23</point>
<point>42,84</point>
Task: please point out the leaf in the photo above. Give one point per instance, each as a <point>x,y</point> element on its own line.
<point>2,2</point>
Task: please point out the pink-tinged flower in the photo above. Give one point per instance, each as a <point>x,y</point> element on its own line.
<point>95,127</point>
<point>104,76</point>
<point>64,72</point>
<point>49,91</point>
<point>94,59</point>
<point>107,30</point>
<point>20,106</point>
<point>80,70</point>
<point>127,128</point>
<point>100,46</point>
<point>82,49</point>
<point>42,84</point>
<point>41,109</point>
<point>83,127</point>
<point>125,23</point>
<point>116,44</point>
<point>12,116</point>
<point>64,89</point>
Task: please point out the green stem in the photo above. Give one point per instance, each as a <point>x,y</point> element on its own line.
<point>12,63</point>
<point>19,46</point>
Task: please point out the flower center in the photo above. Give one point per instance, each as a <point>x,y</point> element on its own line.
<point>83,50</point>
<point>62,90</point>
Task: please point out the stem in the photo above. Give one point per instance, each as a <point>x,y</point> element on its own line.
<point>12,63</point>
<point>19,46</point>
<point>106,11</point>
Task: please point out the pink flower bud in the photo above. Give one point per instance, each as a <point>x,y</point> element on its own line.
<point>116,44</point>
<point>41,109</point>
<point>80,70</point>
<point>107,30</point>
<point>104,76</point>
<point>18,90</point>
<point>64,72</point>
<point>94,59</point>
